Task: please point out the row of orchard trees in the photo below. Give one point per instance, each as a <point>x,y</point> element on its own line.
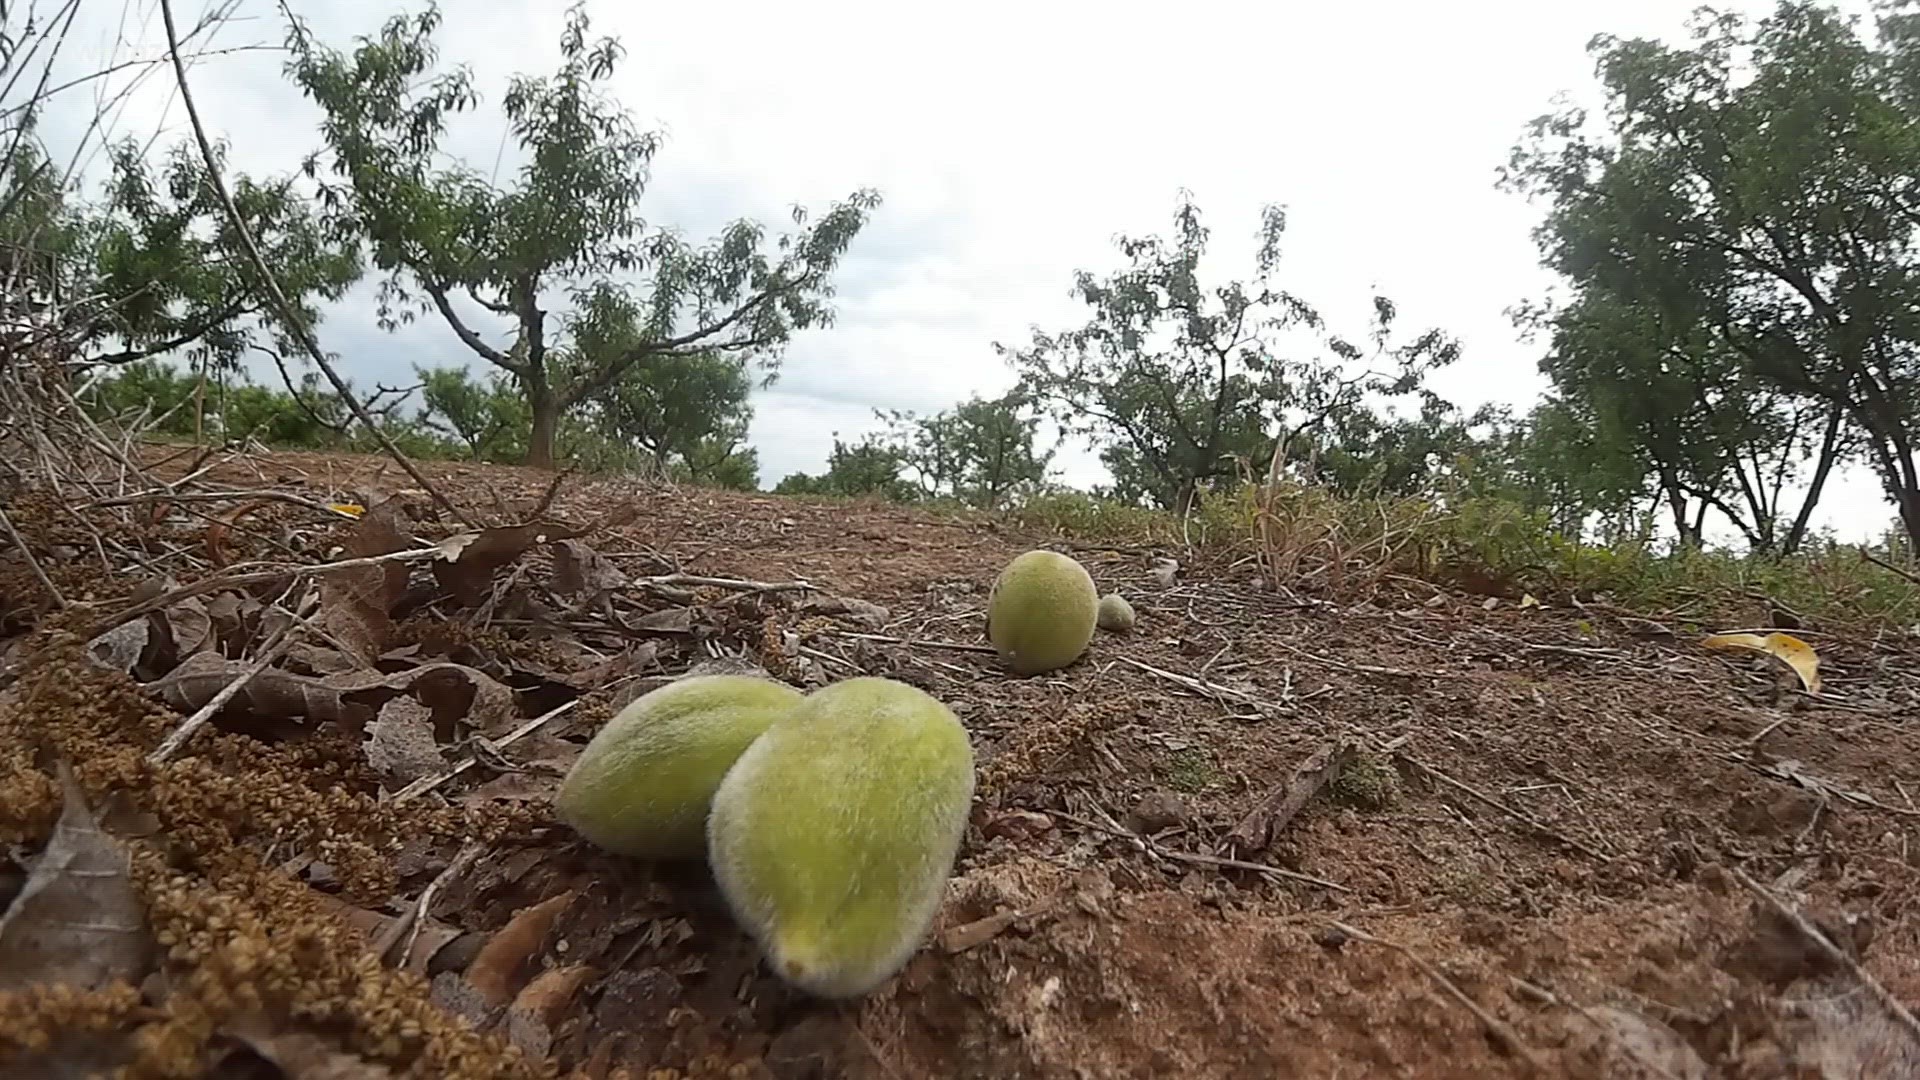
<point>1734,234</point>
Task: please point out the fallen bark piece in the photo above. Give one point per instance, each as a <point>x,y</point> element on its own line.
<point>1258,830</point>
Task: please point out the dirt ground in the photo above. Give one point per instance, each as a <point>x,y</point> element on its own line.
<point>1554,840</point>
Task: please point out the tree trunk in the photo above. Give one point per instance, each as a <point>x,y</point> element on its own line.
<point>546,424</point>
<point>1829,446</point>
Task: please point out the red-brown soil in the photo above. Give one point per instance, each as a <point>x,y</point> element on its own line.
<point>1546,823</point>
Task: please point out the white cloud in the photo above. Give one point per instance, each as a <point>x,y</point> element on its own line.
<point>1012,142</point>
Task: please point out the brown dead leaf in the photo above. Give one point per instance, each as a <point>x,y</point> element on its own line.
<point>457,693</point>
<point>356,603</point>
<point>467,571</point>
<point>188,625</point>
<point>400,745</point>
<point>297,1053</point>
<point>578,568</point>
<point>221,526</point>
<point>536,1009</point>
<point>78,921</point>
<point>504,962</point>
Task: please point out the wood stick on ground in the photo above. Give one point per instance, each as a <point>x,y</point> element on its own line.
<point>237,575</point>
<point>1370,669</point>
<point>33,564</point>
<point>1832,952</point>
<point>428,783</point>
<point>1257,831</point>
<point>289,317</point>
<point>1531,822</point>
<point>169,495</point>
<point>1496,1027</point>
<point>203,715</point>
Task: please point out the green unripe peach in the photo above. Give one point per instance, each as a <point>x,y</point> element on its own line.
<point>1116,615</point>
<point>1041,612</point>
<point>833,836</point>
<point>645,782</point>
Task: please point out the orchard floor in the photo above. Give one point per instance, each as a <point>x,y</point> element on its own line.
<point>1541,858</point>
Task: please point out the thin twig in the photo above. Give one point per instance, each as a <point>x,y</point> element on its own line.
<point>1146,844</point>
<point>917,643</point>
<point>1832,952</point>
<point>696,581</point>
<point>169,495</point>
<point>178,738</point>
<point>33,564</point>
<point>428,783</point>
<point>1885,565</point>
<point>284,308</point>
<point>410,921</point>
<point>1531,822</point>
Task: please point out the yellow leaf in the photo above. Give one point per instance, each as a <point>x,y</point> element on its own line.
<point>1528,601</point>
<point>1786,648</point>
<point>349,509</point>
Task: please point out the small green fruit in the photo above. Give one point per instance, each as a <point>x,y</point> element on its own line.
<point>643,786</point>
<point>833,836</point>
<point>1041,612</point>
<point>1116,615</point>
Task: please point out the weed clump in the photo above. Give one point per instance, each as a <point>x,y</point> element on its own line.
<point>1366,782</point>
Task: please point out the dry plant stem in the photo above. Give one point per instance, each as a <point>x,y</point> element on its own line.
<point>284,309</point>
<point>173,742</point>
<point>32,563</point>
<point>696,581</point>
<point>1833,952</point>
<point>428,783</point>
<point>410,921</point>
<point>917,643</point>
<point>1494,1025</point>
<point>1533,823</point>
<point>1884,565</point>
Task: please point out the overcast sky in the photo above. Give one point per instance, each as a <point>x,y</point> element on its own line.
<point>1011,142</point>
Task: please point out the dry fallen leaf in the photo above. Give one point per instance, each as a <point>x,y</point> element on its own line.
<point>120,648</point>
<point>78,921</point>
<point>400,744</point>
<point>1786,648</point>
<point>578,568</point>
<point>355,603</point>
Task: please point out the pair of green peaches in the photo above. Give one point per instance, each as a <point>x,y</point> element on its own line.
<point>830,820</point>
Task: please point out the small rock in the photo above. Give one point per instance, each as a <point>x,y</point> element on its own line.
<point>1331,939</point>
<point>1164,571</point>
<point>1157,811</point>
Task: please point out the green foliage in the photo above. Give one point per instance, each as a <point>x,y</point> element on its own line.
<point>979,453</point>
<point>870,467</point>
<point>490,418</point>
<point>153,266</point>
<point>1178,384</point>
<point>1743,234</point>
<point>570,223</point>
